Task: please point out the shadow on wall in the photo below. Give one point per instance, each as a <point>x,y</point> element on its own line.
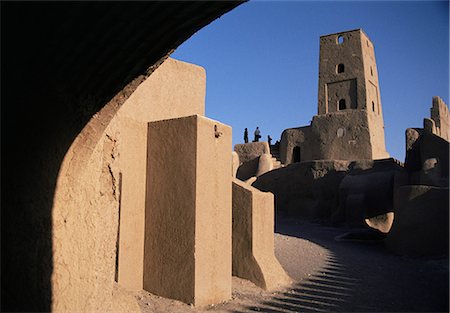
<point>333,191</point>
<point>51,95</point>
<point>308,190</point>
<point>247,169</point>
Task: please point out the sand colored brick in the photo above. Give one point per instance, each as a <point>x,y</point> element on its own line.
<point>235,163</point>
<point>421,222</point>
<point>427,158</point>
<point>253,237</point>
<point>255,159</point>
<point>188,210</point>
<point>421,210</point>
<point>441,118</point>
<point>101,180</point>
<point>337,191</point>
<point>251,151</point>
<point>175,89</point>
<point>265,164</point>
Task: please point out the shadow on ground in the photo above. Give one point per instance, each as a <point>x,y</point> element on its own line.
<point>324,292</point>
<point>357,276</point>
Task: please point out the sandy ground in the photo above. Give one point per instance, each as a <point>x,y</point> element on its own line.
<point>333,276</point>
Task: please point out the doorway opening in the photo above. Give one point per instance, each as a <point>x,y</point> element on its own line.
<point>296,155</point>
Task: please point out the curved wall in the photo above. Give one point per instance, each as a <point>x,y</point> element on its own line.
<point>64,65</point>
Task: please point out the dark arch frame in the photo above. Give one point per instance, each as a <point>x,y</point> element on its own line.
<point>296,154</point>
<point>65,86</point>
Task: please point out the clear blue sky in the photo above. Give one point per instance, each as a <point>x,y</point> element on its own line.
<point>261,61</point>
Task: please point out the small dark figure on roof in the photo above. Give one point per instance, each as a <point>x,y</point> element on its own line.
<point>269,139</point>
<point>257,134</point>
<point>246,135</point>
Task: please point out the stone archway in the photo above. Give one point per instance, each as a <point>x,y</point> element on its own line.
<point>67,69</point>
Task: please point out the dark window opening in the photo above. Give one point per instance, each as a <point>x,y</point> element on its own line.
<point>373,106</point>
<point>340,39</point>
<point>371,71</point>
<point>340,68</point>
<point>342,105</point>
<point>296,155</point>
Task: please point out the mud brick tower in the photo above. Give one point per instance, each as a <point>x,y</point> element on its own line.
<point>349,124</point>
<point>350,94</point>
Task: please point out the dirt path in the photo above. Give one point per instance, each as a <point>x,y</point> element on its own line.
<point>333,276</point>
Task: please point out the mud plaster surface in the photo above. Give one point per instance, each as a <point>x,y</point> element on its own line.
<point>332,276</point>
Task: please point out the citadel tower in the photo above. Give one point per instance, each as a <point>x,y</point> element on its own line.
<point>348,80</point>
<point>349,124</point>
<point>348,77</point>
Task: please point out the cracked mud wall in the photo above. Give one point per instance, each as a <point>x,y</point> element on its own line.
<point>104,173</point>
<point>85,221</point>
<point>53,92</point>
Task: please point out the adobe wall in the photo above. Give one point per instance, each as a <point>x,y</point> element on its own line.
<point>377,140</point>
<point>214,212</point>
<point>372,100</point>
<point>331,54</point>
<point>337,136</point>
<point>307,189</point>
<point>85,221</point>
<point>441,117</point>
<point>421,223</point>
<point>102,176</point>
<point>427,158</point>
<point>175,89</point>
<point>53,94</point>
<point>296,137</point>
<point>188,211</point>
<point>367,196</point>
<point>341,136</point>
<point>427,148</point>
<point>420,226</point>
<point>249,158</point>
<point>349,124</point>
<point>252,150</point>
<point>253,238</point>
<point>333,190</point>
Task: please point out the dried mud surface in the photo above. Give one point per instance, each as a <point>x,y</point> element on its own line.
<point>333,276</point>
